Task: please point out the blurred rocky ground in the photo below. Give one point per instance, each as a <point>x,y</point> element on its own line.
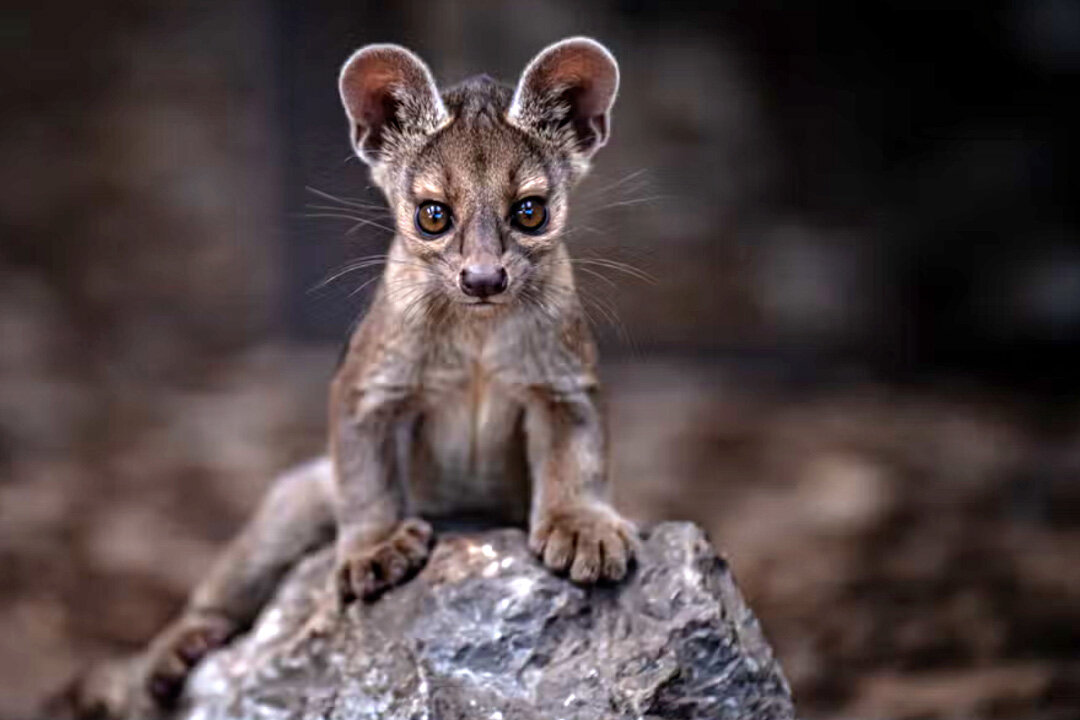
<point>854,364</point>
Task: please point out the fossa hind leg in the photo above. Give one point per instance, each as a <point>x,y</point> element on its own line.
<point>295,516</point>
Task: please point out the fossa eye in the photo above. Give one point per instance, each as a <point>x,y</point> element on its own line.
<point>433,218</point>
<point>529,215</point>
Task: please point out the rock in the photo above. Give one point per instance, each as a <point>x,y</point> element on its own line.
<point>486,633</point>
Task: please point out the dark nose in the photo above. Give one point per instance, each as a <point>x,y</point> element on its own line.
<point>481,281</point>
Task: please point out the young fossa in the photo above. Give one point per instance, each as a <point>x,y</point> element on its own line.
<point>470,388</point>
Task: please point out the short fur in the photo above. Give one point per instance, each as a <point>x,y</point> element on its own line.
<point>444,407</point>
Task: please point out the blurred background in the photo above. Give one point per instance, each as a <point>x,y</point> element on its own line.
<point>855,364</point>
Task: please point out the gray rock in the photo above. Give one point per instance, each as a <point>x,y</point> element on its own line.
<point>485,633</point>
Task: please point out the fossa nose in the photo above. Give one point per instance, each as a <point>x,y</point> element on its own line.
<point>483,281</point>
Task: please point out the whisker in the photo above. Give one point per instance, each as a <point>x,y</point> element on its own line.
<point>611,313</point>
<point>418,305</point>
<point>364,284</point>
<point>351,202</point>
<point>607,310</point>
<point>586,228</point>
<point>351,268</point>
<point>359,220</point>
<point>622,181</point>
<point>599,275</point>
<point>373,256</point>
<point>360,264</point>
<point>618,266</point>
<point>365,223</point>
<point>624,203</point>
<point>373,211</point>
<point>400,288</point>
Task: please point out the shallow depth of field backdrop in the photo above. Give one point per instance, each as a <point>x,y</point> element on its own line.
<point>857,363</point>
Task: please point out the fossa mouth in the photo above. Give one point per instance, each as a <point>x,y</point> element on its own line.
<point>483,304</point>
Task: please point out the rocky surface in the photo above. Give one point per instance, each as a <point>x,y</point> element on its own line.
<point>485,632</point>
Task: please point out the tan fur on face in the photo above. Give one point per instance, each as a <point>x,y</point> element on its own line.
<point>430,186</point>
<point>479,165</point>
<point>534,184</point>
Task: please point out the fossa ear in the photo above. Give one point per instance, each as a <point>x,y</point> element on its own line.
<point>566,94</point>
<point>390,97</point>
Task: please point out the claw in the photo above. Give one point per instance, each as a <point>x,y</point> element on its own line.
<point>592,543</point>
<point>371,571</point>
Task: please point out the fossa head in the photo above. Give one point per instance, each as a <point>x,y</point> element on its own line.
<point>477,176</point>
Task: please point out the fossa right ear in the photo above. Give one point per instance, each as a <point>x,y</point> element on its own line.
<point>390,97</point>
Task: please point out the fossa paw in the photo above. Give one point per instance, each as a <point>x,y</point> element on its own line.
<point>368,572</point>
<point>180,649</point>
<point>589,543</point>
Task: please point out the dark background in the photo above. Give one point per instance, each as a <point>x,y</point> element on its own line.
<point>855,364</point>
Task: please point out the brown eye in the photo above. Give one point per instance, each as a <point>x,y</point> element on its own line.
<point>529,215</point>
<point>433,218</point>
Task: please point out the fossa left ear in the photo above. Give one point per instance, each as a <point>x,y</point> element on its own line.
<point>566,93</point>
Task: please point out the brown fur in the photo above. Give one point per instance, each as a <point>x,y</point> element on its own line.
<point>443,407</point>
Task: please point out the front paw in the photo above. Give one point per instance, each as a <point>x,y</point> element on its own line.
<point>367,572</point>
<point>592,542</point>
